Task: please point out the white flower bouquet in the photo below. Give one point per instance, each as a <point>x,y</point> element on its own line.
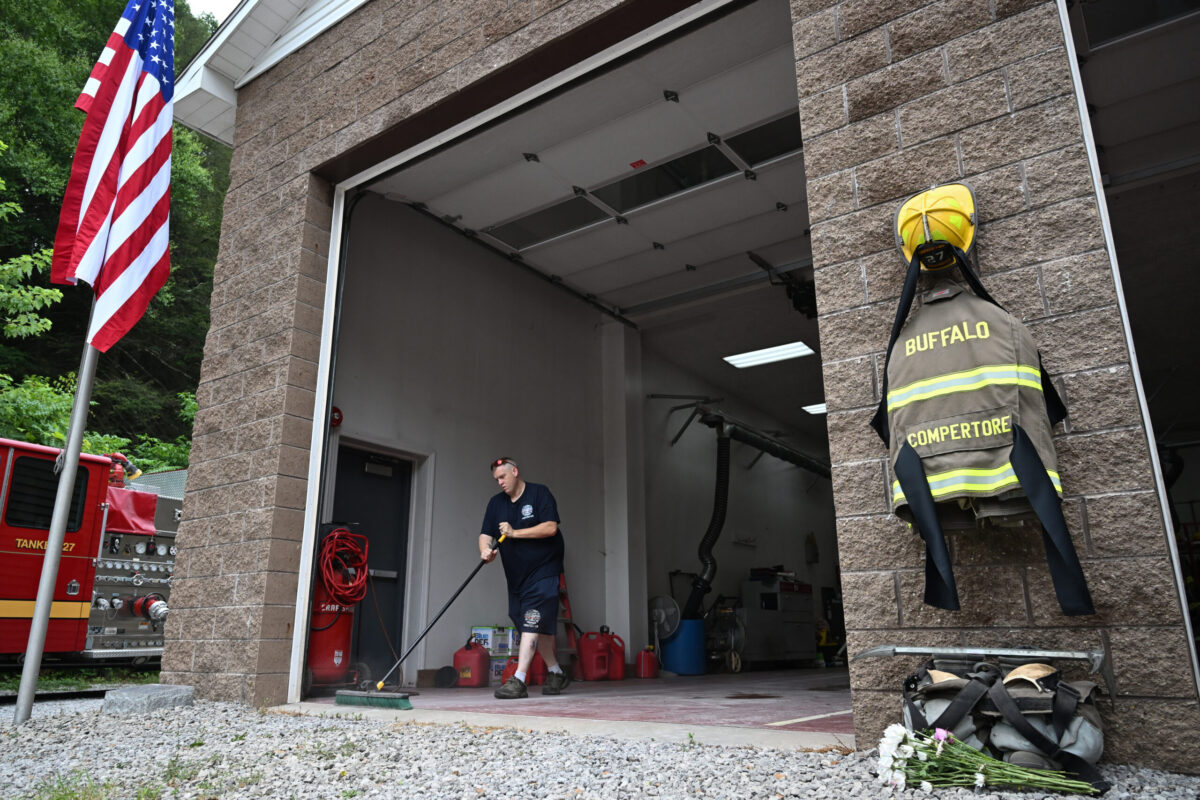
<point>928,760</point>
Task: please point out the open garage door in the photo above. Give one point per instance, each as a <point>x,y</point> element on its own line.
<point>572,287</point>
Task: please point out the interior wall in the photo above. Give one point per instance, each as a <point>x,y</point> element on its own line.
<point>773,505</point>
<point>448,350</point>
<point>1185,492</point>
<point>1155,236</point>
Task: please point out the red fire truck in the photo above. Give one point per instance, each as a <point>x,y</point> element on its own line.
<point>118,557</point>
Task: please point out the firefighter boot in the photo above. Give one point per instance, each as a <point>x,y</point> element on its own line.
<point>556,682</point>
<point>513,689</point>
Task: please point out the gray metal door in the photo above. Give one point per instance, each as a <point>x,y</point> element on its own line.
<point>375,491</point>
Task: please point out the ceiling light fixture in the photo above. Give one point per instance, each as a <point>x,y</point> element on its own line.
<point>815,408</point>
<point>767,355</point>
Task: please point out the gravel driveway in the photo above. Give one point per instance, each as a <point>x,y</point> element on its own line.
<point>218,750</point>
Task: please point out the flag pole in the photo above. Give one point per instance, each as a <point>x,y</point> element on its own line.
<point>67,466</point>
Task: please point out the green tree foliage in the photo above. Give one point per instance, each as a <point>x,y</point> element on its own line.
<point>47,51</point>
<point>20,302</point>
<point>38,410</point>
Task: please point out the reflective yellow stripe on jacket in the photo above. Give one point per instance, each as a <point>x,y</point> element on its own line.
<point>963,481</point>
<point>965,381</point>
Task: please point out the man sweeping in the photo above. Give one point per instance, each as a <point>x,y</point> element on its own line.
<point>527,516</point>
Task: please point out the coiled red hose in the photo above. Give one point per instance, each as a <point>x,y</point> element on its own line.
<point>343,566</point>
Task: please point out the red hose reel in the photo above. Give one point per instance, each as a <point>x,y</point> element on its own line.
<point>342,565</point>
<point>341,584</point>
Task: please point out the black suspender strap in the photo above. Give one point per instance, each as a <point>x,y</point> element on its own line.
<point>1071,762</point>
<point>908,691</point>
<point>973,280</point>
<point>1070,585</point>
<point>1056,409</point>
<point>940,590</point>
<point>880,422</point>
<point>965,701</point>
<point>1066,700</point>
<point>909,293</point>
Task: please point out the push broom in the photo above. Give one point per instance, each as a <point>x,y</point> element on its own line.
<point>399,700</point>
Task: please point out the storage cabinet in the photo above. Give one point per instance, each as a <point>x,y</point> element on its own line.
<point>778,616</point>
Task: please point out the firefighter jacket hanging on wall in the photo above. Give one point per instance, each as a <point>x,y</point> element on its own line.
<point>967,411</point>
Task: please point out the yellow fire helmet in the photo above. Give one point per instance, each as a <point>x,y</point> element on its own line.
<point>928,220</point>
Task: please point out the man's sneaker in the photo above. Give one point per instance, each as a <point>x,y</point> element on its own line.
<point>513,689</point>
<point>556,682</point>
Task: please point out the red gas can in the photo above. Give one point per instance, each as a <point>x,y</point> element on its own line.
<point>537,670</point>
<point>647,663</point>
<point>471,662</point>
<point>616,654</point>
<point>593,656</point>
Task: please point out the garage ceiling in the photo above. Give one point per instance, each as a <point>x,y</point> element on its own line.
<point>688,267</point>
<point>669,188</point>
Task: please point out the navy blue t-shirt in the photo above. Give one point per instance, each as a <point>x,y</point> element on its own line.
<point>526,560</point>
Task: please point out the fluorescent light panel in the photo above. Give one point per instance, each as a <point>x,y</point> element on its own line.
<point>815,408</point>
<point>769,354</point>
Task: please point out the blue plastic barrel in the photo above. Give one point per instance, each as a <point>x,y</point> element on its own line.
<point>683,651</point>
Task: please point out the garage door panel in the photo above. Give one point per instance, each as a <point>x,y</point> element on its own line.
<point>448,170</point>
<point>604,155</point>
<point>784,181</point>
<point>511,192</point>
<point>575,113</point>
<point>504,145</point>
<point>679,282</point>
<point>786,252</point>
<point>633,268</point>
<point>739,237</point>
<point>743,97</point>
<point>604,243</point>
<point>702,210</point>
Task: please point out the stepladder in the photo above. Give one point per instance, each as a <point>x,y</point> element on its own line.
<point>568,655</point>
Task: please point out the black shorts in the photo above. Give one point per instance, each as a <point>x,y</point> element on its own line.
<point>535,609</point>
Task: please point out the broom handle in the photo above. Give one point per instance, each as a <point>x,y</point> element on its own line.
<point>429,627</point>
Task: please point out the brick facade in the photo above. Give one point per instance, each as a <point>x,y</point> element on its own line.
<point>895,97</point>
<point>232,605</point>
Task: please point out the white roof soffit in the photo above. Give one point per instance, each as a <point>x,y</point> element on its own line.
<point>255,37</point>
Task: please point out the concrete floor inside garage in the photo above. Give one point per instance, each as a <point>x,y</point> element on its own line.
<point>788,709</point>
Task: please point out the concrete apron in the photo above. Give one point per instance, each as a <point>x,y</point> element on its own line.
<point>789,710</point>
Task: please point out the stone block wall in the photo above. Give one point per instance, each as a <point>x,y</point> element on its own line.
<point>898,95</point>
<point>232,604</point>
<point>233,601</point>
<point>894,95</point>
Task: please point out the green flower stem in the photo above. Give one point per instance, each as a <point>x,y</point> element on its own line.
<point>958,765</point>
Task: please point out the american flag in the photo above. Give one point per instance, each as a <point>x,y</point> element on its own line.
<point>112,232</point>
